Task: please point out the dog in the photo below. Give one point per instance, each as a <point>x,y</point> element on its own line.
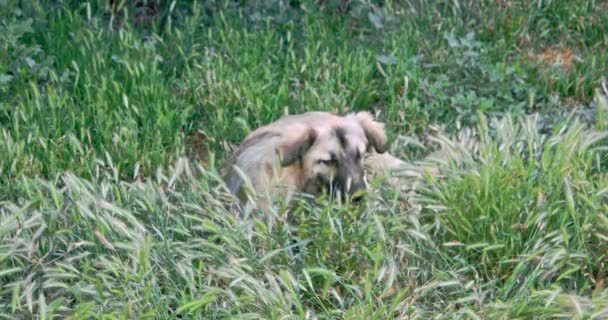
<point>312,153</point>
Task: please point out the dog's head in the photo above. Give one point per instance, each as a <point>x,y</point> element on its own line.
<point>331,154</point>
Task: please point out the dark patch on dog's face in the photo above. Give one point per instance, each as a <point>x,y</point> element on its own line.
<point>350,174</point>
<point>341,135</point>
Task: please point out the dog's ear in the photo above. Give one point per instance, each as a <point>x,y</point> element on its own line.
<point>374,131</point>
<point>296,146</point>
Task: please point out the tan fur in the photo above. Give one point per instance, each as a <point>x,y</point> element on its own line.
<point>396,172</point>
<point>290,155</point>
<point>374,131</point>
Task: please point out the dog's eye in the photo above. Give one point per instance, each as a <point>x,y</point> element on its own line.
<point>326,162</point>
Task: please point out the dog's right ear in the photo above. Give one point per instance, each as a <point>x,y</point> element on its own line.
<point>374,131</point>
<point>295,147</point>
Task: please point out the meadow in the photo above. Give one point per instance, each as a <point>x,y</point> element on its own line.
<point>115,117</point>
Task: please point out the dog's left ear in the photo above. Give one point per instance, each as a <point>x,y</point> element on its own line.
<point>374,131</point>
<point>293,148</point>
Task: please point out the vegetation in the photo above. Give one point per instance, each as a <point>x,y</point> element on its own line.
<point>115,116</point>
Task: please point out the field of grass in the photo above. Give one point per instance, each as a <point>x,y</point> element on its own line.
<point>114,122</point>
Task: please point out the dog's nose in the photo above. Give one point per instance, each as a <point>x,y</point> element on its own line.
<point>355,189</point>
<point>356,186</point>
<point>357,199</point>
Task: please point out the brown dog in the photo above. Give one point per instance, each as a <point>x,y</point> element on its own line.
<point>314,152</point>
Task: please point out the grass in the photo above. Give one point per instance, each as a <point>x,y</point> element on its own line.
<point>113,125</point>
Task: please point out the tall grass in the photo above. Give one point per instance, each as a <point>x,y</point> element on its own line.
<point>518,228</point>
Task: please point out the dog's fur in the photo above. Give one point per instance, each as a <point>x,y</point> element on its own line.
<point>312,153</point>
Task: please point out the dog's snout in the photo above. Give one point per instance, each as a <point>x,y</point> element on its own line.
<point>356,191</point>
<point>356,186</point>
<point>351,180</point>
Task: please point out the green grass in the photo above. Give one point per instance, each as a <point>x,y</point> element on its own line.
<point>112,127</point>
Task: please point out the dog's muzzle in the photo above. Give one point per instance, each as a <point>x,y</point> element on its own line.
<point>353,189</point>
<point>345,188</point>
